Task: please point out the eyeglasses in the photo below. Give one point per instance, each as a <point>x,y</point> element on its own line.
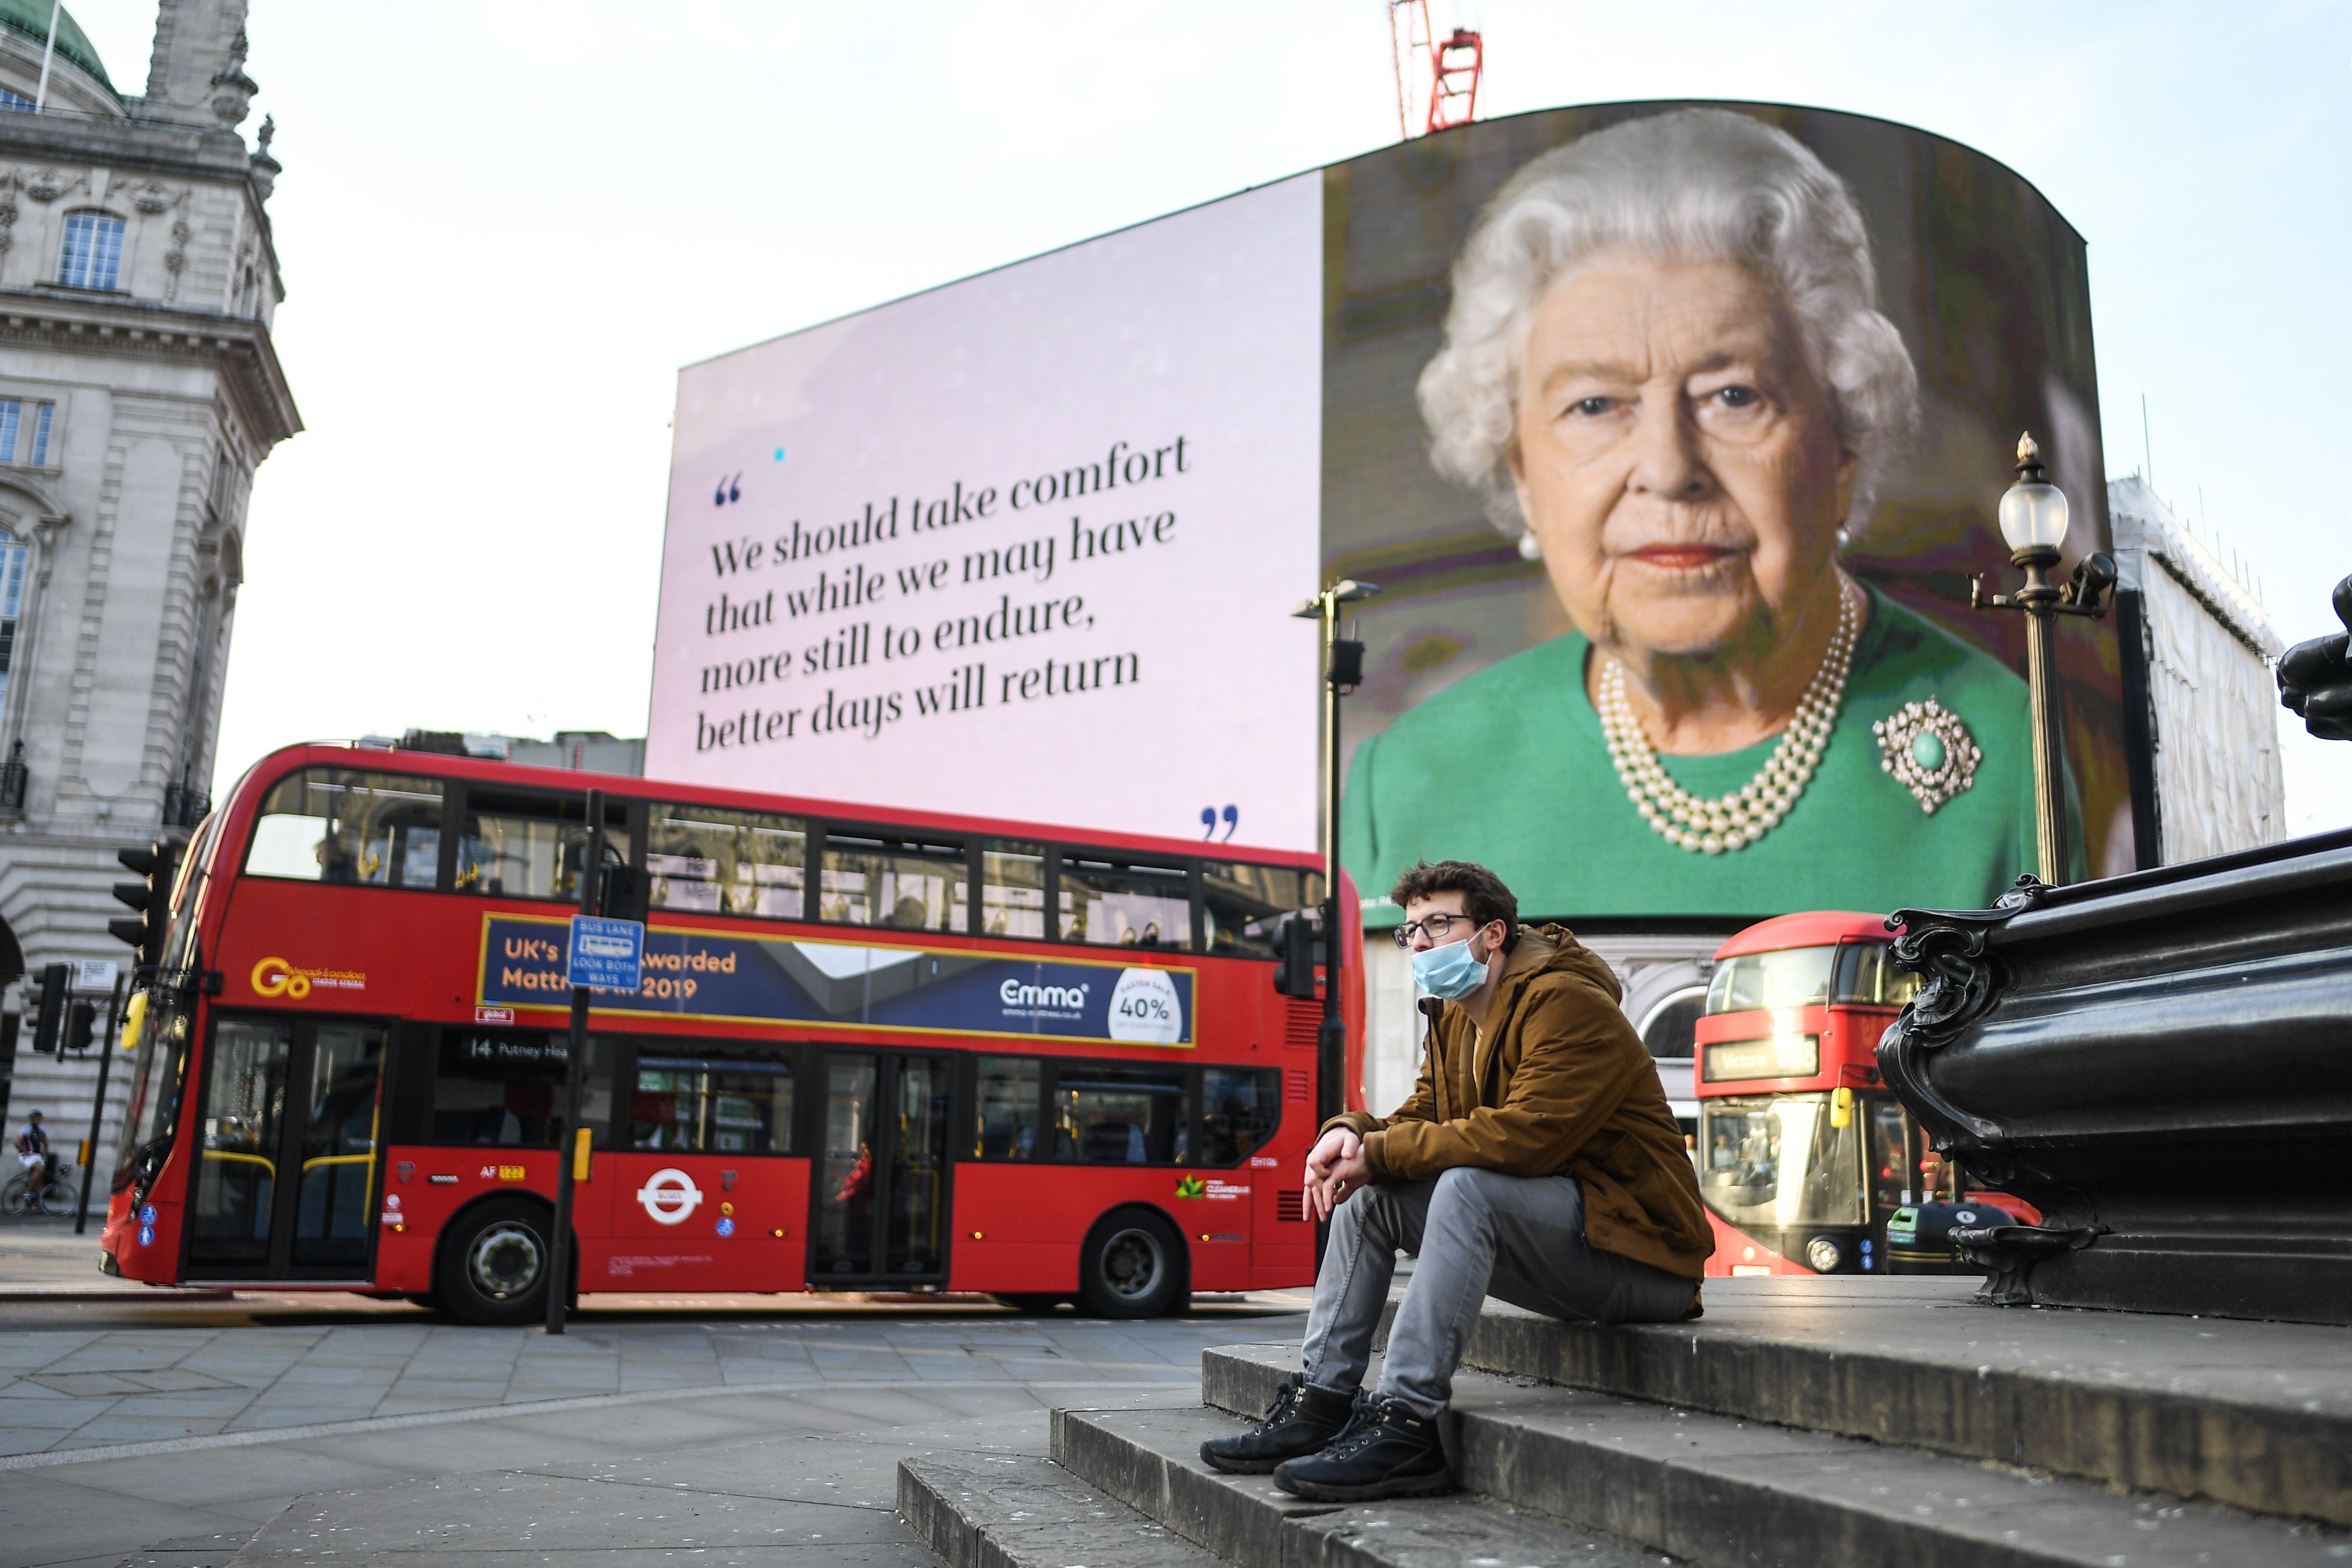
<point>1435,928</point>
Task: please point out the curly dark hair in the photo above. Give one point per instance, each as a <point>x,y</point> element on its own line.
<point>1484,898</point>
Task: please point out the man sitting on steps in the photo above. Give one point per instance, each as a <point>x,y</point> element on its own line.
<point>1536,1161</point>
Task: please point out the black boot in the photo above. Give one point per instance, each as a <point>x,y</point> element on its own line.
<point>1302,1418</point>
<point>1389,1450</point>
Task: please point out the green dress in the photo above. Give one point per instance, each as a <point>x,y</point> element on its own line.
<point>1508,768</point>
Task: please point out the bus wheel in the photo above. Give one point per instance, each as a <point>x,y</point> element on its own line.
<point>494,1263</point>
<point>1132,1266</point>
<point>1029,1303</point>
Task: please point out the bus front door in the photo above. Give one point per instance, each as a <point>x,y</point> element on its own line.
<point>879,1200</point>
<point>286,1166</point>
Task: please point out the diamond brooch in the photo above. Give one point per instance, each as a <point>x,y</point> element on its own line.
<point>1929,752</point>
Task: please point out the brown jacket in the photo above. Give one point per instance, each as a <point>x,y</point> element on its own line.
<point>1556,1084</point>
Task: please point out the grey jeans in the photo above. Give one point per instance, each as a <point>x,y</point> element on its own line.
<point>1478,1234</point>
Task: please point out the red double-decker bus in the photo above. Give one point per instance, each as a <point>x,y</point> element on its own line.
<point>871,1051</point>
<point>1806,1160</point>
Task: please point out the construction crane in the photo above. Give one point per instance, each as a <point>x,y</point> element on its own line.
<point>1436,83</point>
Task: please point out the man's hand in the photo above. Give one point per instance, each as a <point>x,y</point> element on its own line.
<point>1336,1167</point>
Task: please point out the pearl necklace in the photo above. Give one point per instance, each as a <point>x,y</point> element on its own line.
<point>1740,818</point>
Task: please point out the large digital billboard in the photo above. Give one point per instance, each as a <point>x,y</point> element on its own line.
<point>1673,434</point>
<point>1022,546</point>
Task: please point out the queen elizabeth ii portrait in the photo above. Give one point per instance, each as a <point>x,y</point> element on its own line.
<point>1667,375</point>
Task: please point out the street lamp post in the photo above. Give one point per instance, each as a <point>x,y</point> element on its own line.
<point>1343,671</point>
<point>2034,522</point>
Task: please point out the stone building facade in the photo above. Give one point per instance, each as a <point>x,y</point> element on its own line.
<point>2200,689</point>
<point>139,391</point>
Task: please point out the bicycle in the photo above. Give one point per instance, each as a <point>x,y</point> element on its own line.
<point>55,1200</point>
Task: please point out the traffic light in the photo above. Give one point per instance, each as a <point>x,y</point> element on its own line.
<point>151,899</point>
<point>1295,939</point>
<point>82,1020</point>
<point>52,1011</point>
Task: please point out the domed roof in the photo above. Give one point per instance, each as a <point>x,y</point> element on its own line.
<point>31,18</point>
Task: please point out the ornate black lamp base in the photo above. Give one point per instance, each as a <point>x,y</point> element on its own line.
<point>2162,1064</point>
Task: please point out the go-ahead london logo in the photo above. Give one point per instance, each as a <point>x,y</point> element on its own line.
<point>670,1196</point>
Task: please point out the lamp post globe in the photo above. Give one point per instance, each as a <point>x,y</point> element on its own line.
<point>2032,511</point>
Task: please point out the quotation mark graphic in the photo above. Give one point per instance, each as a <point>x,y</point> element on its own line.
<point>1210,816</point>
<point>729,489</point>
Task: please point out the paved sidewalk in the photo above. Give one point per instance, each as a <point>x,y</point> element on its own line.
<point>41,1258</point>
<point>633,1439</point>
<point>66,1390</point>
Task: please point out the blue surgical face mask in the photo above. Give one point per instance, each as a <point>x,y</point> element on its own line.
<point>1449,971</point>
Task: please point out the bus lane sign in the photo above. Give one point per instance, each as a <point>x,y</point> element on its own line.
<point>605,954</point>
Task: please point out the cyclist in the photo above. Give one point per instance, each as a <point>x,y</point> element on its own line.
<point>33,1150</point>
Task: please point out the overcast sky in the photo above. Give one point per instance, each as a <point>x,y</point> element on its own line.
<point>504,226</point>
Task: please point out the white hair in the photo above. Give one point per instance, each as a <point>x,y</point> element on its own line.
<point>1692,184</point>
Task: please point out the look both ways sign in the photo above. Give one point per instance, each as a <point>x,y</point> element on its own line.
<point>605,954</point>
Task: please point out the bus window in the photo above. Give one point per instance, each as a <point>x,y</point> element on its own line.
<point>499,1088</point>
<point>1013,890</point>
<point>697,1106</point>
<point>906,884</point>
<point>187,897</point>
<point>1120,1115</point>
<point>715,861</point>
<point>1008,1108</point>
<point>1891,1166</point>
<point>531,845</point>
<point>1778,1162</point>
<point>1792,977</point>
<point>1243,901</point>
<point>1112,904</point>
<point>1868,975</point>
<point>336,825</point>
<point>1239,1108</point>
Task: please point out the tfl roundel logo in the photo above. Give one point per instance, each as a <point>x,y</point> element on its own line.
<point>670,1196</point>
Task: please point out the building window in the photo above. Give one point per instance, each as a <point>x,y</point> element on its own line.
<point>16,100</point>
<point>25,431</point>
<point>12,598</point>
<point>92,257</point>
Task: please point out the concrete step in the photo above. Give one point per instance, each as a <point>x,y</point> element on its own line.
<point>1716,1490</point>
<point>2257,1416</point>
<point>1027,1512</point>
<point>1150,1461</point>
